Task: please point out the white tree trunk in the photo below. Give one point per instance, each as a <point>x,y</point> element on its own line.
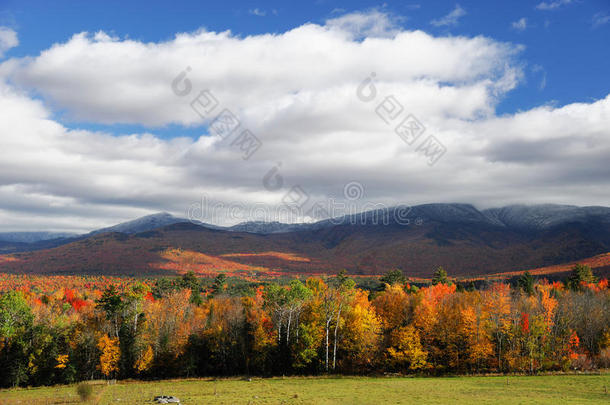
<point>288,328</point>
<point>335,348</point>
<point>327,333</point>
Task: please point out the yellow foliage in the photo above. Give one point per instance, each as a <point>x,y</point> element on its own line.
<point>62,360</point>
<point>362,331</point>
<point>145,360</point>
<point>109,359</point>
<point>480,347</point>
<point>406,349</point>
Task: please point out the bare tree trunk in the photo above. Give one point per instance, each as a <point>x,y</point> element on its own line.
<point>279,329</point>
<point>116,326</point>
<point>335,348</point>
<point>288,329</point>
<point>297,326</point>
<point>499,352</point>
<point>327,333</point>
<point>135,323</point>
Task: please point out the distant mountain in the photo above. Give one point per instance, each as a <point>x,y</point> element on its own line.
<point>11,242</point>
<point>146,223</point>
<point>464,240</point>
<point>31,237</point>
<point>516,217</point>
<point>545,216</point>
<point>264,228</point>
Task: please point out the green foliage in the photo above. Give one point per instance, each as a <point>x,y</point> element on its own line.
<point>15,314</point>
<point>581,273</point>
<point>164,286</point>
<point>340,278</point>
<point>220,283</point>
<point>307,348</point>
<point>393,277</point>
<point>526,283</point>
<point>190,281</point>
<point>110,302</point>
<point>440,276</point>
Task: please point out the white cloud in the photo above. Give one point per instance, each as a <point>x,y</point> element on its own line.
<point>372,24</point>
<point>8,40</point>
<point>600,19</point>
<point>126,81</point>
<point>257,12</point>
<point>520,25</point>
<point>553,5</point>
<point>542,71</point>
<point>300,100</point>
<point>450,19</point>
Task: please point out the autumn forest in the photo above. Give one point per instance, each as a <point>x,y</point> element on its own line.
<point>62,329</point>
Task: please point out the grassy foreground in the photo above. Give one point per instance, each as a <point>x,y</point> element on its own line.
<point>550,389</point>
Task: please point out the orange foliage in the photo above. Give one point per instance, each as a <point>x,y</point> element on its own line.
<point>181,261</point>
<point>292,257</point>
<point>393,307</point>
<point>573,345</point>
<point>594,262</point>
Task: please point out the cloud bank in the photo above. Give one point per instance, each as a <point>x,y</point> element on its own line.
<point>297,92</point>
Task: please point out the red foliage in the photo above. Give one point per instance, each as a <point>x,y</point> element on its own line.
<point>69,294</point>
<point>525,323</point>
<point>78,304</point>
<point>573,346</point>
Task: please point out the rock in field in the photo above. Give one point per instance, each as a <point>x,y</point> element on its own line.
<point>165,399</point>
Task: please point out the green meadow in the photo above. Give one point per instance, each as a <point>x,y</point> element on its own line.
<point>548,389</point>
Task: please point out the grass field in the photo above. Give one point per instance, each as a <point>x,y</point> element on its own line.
<point>556,389</point>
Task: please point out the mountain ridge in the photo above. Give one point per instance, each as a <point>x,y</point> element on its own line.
<point>457,236</point>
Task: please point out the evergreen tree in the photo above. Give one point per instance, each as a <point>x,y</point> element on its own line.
<point>440,276</point>
<point>393,277</point>
<point>581,273</point>
<point>526,283</point>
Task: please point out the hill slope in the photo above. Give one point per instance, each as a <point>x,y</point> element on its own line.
<point>459,237</point>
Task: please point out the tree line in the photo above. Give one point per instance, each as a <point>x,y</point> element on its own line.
<point>174,329</point>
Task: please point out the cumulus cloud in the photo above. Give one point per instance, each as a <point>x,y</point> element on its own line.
<point>553,5</point>
<point>450,19</point>
<point>520,25</point>
<point>106,80</point>
<point>301,100</point>
<point>8,40</point>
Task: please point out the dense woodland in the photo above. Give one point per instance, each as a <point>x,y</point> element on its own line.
<point>179,328</point>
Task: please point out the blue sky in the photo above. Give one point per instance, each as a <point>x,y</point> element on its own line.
<point>567,51</point>
<point>515,96</point>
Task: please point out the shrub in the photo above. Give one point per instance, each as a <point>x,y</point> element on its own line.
<point>85,391</point>
<point>604,358</point>
<point>583,363</point>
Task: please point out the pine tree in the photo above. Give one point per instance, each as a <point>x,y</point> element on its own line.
<point>440,276</point>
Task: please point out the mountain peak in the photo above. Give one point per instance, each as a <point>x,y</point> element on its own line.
<point>142,224</point>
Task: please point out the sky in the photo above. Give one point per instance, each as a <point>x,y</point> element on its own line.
<point>230,111</point>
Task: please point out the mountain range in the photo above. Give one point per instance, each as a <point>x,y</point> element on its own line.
<point>464,240</point>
